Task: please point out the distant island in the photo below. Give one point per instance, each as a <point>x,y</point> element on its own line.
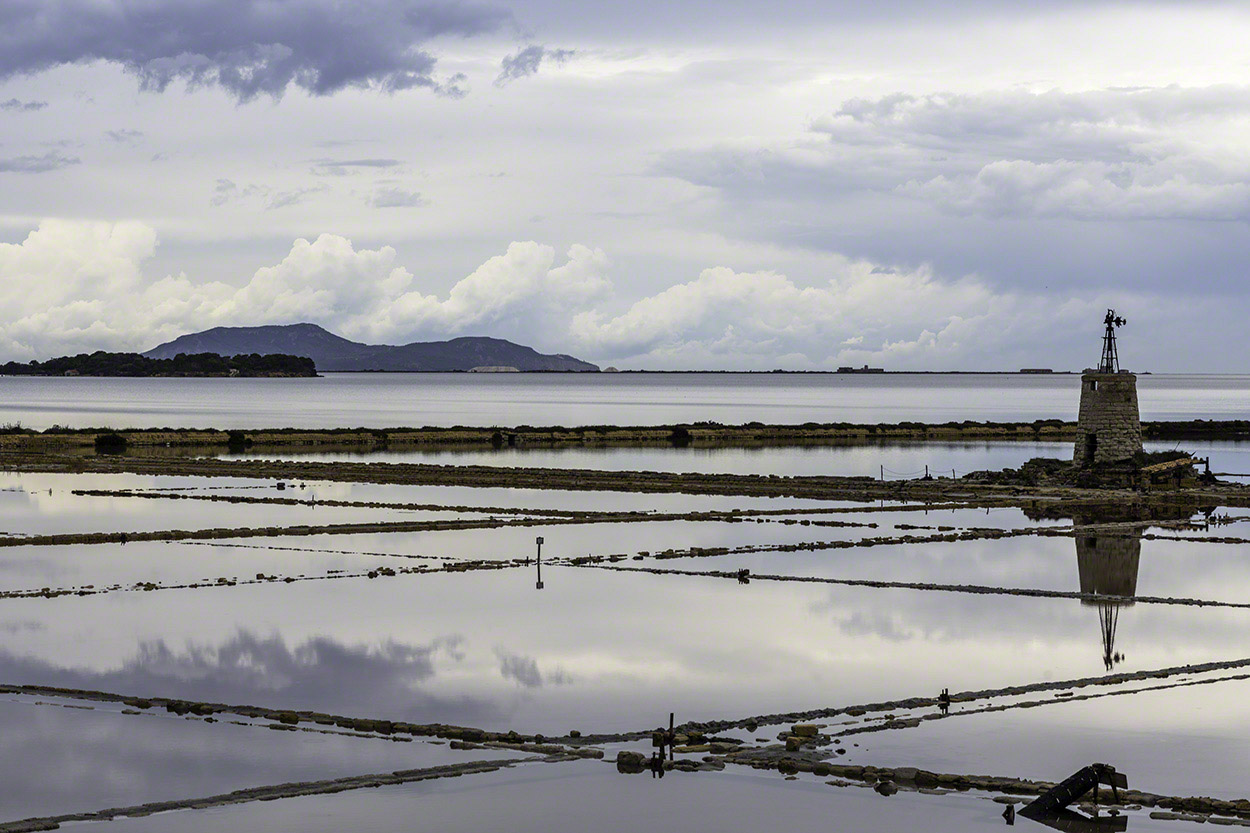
<point>335,353</point>
<point>182,364</point>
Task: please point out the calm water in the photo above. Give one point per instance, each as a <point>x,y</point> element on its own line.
<point>537,798</point>
<point>595,650</point>
<point>416,399</point>
<point>894,461</point>
<point>73,760</point>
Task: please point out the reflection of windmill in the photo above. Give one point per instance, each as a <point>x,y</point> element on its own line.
<point>1108,567</point>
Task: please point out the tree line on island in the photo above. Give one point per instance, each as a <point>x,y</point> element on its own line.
<point>101,363</point>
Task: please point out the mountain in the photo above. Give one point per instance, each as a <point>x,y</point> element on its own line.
<point>332,352</point>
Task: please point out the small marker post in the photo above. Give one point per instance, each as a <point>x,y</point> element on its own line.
<point>539,561</point>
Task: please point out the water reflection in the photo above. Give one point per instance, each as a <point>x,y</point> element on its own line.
<point>596,650</point>
<point>1070,820</point>
<point>61,760</point>
<point>321,673</point>
<point>1108,566</point>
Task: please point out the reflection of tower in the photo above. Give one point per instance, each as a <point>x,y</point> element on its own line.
<point>1108,567</point>
<point>1108,425</point>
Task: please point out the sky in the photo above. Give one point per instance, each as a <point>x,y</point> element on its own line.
<point>696,185</point>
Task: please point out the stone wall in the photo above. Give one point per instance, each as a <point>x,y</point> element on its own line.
<point>1108,426</point>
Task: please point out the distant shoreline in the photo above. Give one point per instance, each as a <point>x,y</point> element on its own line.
<point>645,372</point>
<point>757,372</point>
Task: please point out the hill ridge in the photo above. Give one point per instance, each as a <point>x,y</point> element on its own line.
<point>332,352</point>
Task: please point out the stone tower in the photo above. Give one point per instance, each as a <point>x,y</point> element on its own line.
<point>1109,424</point>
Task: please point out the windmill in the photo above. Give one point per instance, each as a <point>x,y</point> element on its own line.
<point>1110,356</point>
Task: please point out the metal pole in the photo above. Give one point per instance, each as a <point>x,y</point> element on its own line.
<point>883,473</point>
<point>539,584</point>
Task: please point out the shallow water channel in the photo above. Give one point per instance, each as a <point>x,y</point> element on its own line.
<point>814,606</point>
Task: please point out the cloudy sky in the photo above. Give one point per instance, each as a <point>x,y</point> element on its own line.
<point>731,184</point>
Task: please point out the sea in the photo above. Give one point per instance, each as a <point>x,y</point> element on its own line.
<point>389,400</point>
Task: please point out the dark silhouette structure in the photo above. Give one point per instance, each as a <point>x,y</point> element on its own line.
<point>1051,807</point>
<point>1109,423</point>
<point>1110,362</point>
<point>1108,566</point>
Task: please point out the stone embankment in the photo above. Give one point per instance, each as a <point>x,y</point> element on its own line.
<point>701,435</point>
<point>1057,498</point>
<point>1201,808</point>
<point>266,793</point>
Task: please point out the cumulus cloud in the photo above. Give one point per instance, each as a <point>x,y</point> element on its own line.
<point>50,161</point>
<point>22,106</point>
<point>863,313</point>
<point>1109,154</point>
<point>247,47</point>
<point>527,61</point>
<point>79,286</point>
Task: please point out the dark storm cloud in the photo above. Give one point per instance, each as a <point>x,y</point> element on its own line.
<point>248,47</point>
<point>527,61</point>
<point>50,161</point>
<point>22,106</point>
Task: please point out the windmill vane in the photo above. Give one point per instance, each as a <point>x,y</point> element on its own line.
<point>1110,362</point>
